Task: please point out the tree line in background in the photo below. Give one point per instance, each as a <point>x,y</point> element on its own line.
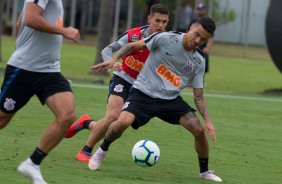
<point>107,22</point>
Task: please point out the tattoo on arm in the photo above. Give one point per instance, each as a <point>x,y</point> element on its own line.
<point>124,51</point>
<point>201,103</point>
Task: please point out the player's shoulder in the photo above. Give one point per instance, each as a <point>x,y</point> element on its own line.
<point>169,36</point>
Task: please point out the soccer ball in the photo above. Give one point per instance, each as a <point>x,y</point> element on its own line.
<point>145,153</point>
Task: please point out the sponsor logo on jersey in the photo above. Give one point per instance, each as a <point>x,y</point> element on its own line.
<point>118,88</point>
<point>189,68</point>
<point>134,64</point>
<point>134,38</point>
<point>9,105</point>
<point>173,39</point>
<point>168,75</point>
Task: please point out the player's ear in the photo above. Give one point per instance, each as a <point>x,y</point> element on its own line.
<point>148,19</point>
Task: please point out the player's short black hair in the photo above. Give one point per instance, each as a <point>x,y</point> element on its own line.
<point>207,23</point>
<point>159,8</point>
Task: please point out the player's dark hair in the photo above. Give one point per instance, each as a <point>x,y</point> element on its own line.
<point>207,23</point>
<point>159,8</point>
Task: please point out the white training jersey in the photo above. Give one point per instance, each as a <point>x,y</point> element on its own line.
<point>169,67</point>
<point>37,51</point>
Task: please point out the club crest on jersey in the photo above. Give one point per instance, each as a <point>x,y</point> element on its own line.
<point>134,38</point>
<point>173,39</point>
<point>9,105</point>
<point>189,68</point>
<point>118,88</point>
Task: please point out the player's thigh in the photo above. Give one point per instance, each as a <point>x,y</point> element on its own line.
<point>61,104</point>
<point>114,106</point>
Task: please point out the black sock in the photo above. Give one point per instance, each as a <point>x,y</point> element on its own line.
<point>37,156</point>
<point>204,164</point>
<point>106,144</point>
<point>86,123</point>
<point>87,149</point>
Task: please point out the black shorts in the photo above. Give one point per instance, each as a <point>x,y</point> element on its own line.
<point>120,87</point>
<point>145,108</point>
<point>20,85</point>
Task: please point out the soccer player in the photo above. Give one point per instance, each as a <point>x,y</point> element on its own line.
<point>122,79</point>
<point>174,63</point>
<point>34,69</point>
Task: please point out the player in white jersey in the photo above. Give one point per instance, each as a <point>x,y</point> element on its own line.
<point>174,63</point>
<point>34,69</point>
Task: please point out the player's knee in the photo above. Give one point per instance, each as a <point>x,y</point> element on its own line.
<point>67,118</point>
<point>199,131</point>
<point>112,117</point>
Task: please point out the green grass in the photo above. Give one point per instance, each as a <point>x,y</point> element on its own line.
<point>247,151</point>
<point>248,124</point>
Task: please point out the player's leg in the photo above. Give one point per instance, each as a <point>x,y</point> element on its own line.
<point>98,131</point>
<point>136,113</point>
<point>191,122</point>
<point>115,130</point>
<point>62,105</point>
<point>118,93</point>
<point>53,90</point>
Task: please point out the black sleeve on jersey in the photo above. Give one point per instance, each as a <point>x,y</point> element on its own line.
<point>35,1</point>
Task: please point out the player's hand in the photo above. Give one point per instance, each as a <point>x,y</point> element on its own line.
<point>103,66</point>
<point>210,130</point>
<point>72,34</point>
<point>117,66</point>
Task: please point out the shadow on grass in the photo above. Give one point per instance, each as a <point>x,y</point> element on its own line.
<point>273,92</point>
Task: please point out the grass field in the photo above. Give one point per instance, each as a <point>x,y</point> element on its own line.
<point>248,124</point>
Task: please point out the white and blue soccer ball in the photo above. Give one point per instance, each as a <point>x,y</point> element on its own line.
<point>145,153</point>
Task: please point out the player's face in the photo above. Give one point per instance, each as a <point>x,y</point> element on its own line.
<point>157,22</point>
<point>195,37</point>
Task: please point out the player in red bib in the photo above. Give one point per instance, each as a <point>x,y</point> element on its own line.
<point>124,75</point>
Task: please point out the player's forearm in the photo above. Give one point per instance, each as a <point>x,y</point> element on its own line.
<point>128,48</point>
<point>40,24</point>
<point>201,105</point>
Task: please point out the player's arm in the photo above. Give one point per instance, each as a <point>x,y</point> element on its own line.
<point>201,105</point>
<point>107,54</point>
<point>18,24</point>
<point>35,20</point>
<point>128,48</point>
